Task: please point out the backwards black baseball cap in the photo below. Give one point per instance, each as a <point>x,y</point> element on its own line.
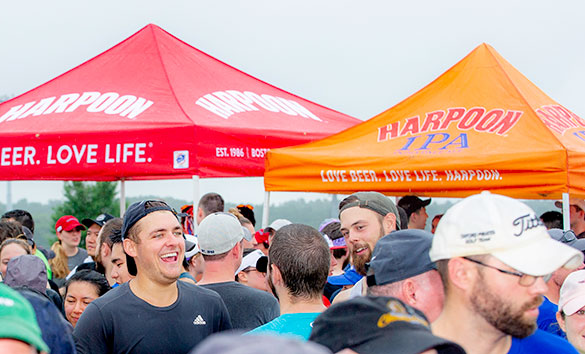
<point>386,325</point>
<point>412,203</point>
<point>135,213</point>
<point>100,220</point>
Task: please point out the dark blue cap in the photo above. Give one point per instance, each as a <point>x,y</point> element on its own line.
<point>400,255</point>
<point>137,211</point>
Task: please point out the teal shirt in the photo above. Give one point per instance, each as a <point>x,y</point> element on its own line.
<point>297,325</point>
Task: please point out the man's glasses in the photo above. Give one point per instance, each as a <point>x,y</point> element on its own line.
<point>524,279</point>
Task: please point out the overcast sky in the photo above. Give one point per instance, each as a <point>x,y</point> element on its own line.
<point>358,57</point>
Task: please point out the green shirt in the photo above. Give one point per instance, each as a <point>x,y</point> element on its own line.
<point>44,259</point>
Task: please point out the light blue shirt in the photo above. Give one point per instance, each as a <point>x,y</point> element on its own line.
<point>297,325</point>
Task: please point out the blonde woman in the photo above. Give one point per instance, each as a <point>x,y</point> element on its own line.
<point>67,253</point>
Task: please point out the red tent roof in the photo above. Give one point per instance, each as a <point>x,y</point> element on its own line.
<point>153,107</point>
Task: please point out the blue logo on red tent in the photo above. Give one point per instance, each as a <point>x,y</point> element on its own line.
<point>181,159</point>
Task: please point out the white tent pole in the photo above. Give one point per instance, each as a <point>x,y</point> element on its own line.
<point>265,210</point>
<point>196,191</point>
<point>122,197</point>
<point>566,212</point>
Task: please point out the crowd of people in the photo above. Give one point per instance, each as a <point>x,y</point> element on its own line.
<point>490,277</point>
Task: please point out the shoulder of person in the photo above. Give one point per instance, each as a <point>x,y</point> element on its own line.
<point>547,343</point>
<point>113,298</point>
<point>197,290</point>
<point>342,296</point>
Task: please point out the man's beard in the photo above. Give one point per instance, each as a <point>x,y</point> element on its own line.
<point>271,285</point>
<point>360,260</point>
<point>501,314</point>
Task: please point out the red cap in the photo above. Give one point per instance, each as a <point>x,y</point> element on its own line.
<point>68,223</point>
<point>261,236</point>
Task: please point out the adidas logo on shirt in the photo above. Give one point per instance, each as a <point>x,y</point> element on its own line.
<point>199,320</point>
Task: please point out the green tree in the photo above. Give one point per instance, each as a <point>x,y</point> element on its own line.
<point>87,200</point>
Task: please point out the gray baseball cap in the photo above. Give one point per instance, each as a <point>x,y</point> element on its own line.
<point>219,232</point>
<point>400,255</point>
<point>375,201</point>
<point>567,237</point>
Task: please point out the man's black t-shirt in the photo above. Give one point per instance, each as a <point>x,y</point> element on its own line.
<point>120,322</point>
<point>248,307</point>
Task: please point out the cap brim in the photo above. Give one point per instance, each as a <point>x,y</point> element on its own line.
<point>573,305</point>
<point>407,341</point>
<point>262,264</point>
<point>426,203</point>
<point>189,245</point>
<point>88,222</point>
<point>541,257</point>
<point>247,234</point>
<point>578,244</point>
<point>23,332</point>
<point>347,278</point>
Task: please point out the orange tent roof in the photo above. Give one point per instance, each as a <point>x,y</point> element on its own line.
<point>481,125</point>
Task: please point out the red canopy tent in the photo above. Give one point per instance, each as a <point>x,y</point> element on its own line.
<point>153,107</point>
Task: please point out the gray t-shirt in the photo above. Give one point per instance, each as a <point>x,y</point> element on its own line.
<point>121,322</point>
<point>248,307</point>
<point>76,260</point>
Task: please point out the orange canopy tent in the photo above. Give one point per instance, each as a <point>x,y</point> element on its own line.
<point>481,125</point>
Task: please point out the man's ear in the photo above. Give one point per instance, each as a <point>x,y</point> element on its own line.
<point>276,275</point>
<point>409,292</point>
<point>237,249</point>
<point>561,321</point>
<point>389,223</point>
<point>243,276</point>
<point>462,273</point>
<point>105,250</point>
<point>129,247</point>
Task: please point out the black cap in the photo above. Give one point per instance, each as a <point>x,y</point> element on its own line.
<point>400,255</point>
<point>133,214</point>
<point>412,203</point>
<point>262,264</point>
<point>386,325</point>
<point>100,220</point>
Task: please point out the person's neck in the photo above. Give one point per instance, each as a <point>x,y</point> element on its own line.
<point>70,251</point>
<point>460,325</point>
<point>290,304</point>
<point>156,294</point>
<point>217,272</point>
<point>553,292</point>
<point>338,270</point>
<point>578,228</point>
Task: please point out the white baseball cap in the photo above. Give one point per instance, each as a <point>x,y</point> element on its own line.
<point>250,260</point>
<point>505,228</point>
<point>219,233</point>
<point>195,249</point>
<point>572,297</point>
<point>278,223</point>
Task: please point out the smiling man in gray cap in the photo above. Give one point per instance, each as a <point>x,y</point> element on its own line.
<point>365,217</point>
<point>220,240</point>
<point>401,268</point>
